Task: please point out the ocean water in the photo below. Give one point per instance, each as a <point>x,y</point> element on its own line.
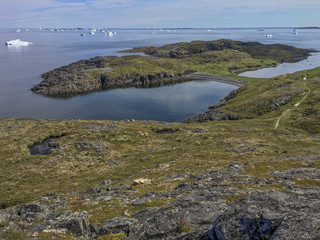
<point>311,62</point>
<point>21,68</point>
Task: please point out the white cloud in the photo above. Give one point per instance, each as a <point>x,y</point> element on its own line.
<point>134,13</point>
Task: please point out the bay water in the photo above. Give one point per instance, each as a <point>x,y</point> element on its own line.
<point>21,69</point>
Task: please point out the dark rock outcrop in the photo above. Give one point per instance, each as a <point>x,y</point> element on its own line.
<point>31,212</point>
<point>91,75</point>
<point>302,173</point>
<point>202,209</point>
<point>45,148</point>
<point>215,113</point>
<point>77,223</point>
<point>278,52</point>
<point>117,225</point>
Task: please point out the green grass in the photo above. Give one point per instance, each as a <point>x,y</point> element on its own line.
<point>224,63</point>
<point>277,52</point>
<point>131,67</point>
<point>166,65</point>
<point>24,177</point>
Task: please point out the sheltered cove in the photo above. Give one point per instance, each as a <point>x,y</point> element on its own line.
<point>198,60</point>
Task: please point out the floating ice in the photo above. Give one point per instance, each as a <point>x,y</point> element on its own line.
<point>17,42</point>
<point>110,33</point>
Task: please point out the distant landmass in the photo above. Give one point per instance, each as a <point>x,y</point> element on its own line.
<point>308,27</point>
<point>165,65</point>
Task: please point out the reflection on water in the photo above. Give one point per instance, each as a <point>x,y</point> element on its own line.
<point>312,62</point>
<point>166,103</point>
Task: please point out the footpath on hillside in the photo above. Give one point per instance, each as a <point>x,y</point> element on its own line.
<point>296,105</point>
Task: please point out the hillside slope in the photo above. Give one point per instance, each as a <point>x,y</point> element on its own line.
<point>238,179</point>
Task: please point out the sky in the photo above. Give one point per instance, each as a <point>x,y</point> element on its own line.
<point>159,13</point>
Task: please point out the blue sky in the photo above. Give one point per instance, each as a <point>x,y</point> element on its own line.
<point>160,13</point>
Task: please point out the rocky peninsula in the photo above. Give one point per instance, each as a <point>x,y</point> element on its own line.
<point>166,65</point>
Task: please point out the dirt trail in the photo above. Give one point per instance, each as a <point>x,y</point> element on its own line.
<point>296,105</point>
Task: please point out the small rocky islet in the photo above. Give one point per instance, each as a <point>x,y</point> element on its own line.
<point>228,173</point>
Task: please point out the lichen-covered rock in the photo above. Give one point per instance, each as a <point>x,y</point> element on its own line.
<point>96,146</point>
<point>145,198</point>
<point>31,212</point>
<point>275,215</point>
<point>7,215</point>
<point>117,225</point>
<point>200,130</point>
<point>213,115</point>
<point>300,173</point>
<point>200,209</point>
<point>77,223</point>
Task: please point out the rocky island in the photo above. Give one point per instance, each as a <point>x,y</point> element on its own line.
<point>168,64</point>
<point>249,168</point>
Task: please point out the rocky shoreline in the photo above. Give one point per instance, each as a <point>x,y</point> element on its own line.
<point>91,75</point>
<point>165,65</point>
<point>216,78</point>
<point>149,80</point>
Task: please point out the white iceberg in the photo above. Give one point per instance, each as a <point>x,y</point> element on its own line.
<point>18,43</point>
<point>110,33</point>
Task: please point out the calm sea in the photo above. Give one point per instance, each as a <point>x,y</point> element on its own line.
<point>21,67</point>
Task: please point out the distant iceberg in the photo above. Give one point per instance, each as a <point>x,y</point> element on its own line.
<point>18,43</point>
<point>110,33</point>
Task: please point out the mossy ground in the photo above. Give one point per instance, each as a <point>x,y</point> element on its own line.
<point>251,142</point>
<point>224,57</point>
<point>166,65</point>
<point>224,63</point>
<point>24,177</point>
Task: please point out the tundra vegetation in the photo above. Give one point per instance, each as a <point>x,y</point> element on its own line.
<point>158,180</point>
<point>168,64</point>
